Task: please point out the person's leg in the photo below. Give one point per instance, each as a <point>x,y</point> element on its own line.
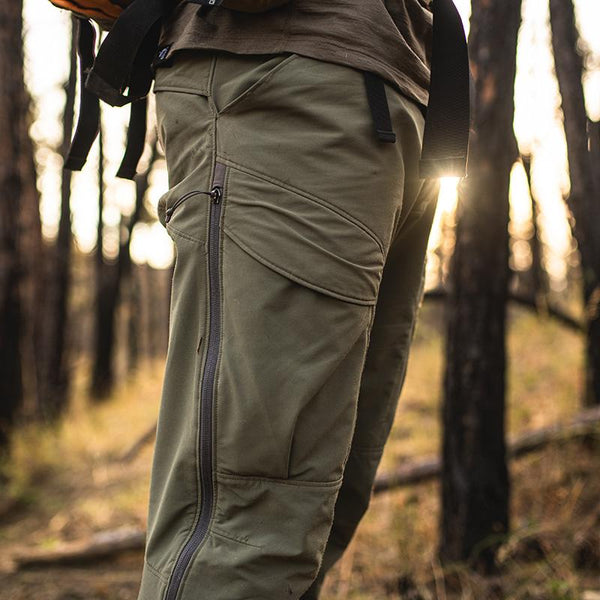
<point>400,295</point>
<point>276,279</point>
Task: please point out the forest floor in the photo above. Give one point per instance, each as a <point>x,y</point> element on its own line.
<point>67,483</point>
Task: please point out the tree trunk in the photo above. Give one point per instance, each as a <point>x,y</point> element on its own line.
<point>103,375</point>
<point>475,485</point>
<point>12,116</point>
<point>584,198</point>
<point>21,249</point>
<point>133,321</point>
<point>54,380</point>
<point>539,286</point>
<point>109,278</point>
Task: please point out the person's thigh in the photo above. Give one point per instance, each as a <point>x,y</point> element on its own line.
<point>277,276</point>
<point>399,298</point>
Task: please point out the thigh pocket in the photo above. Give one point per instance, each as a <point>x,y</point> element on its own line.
<point>303,238</point>
<point>299,283</point>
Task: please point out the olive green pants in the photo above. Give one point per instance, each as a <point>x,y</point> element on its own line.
<point>300,244</point>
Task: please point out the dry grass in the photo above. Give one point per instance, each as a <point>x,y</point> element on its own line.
<point>69,483</point>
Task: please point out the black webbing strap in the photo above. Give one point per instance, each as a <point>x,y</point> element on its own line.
<point>136,138</point>
<point>124,49</point>
<point>446,137</point>
<point>88,122</point>
<point>380,110</point>
<point>139,86</point>
<point>123,64</point>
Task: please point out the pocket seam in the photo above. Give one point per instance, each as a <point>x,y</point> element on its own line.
<point>180,90</point>
<point>293,276</point>
<point>307,195</point>
<point>257,85</point>
<point>163,578</point>
<point>278,481</point>
<point>177,232</point>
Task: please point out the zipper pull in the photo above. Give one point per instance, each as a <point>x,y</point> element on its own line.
<point>216,194</point>
<point>169,213</point>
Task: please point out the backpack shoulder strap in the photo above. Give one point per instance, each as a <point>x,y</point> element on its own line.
<point>448,117</point>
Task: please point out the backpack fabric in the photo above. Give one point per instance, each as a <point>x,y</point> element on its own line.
<point>106,12</point>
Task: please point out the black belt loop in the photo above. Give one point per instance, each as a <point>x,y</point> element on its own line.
<point>380,110</point>
<point>446,137</point>
<point>88,122</point>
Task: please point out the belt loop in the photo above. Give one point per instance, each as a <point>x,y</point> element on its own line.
<point>380,110</point>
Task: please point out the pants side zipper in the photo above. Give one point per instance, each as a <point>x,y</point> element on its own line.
<point>207,387</point>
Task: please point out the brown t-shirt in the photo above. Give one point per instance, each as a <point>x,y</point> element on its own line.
<point>388,37</point>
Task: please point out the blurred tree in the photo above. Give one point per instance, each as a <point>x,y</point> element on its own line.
<point>109,277</point>
<point>20,229</point>
<point>475,484</point>
<point>53,366</point>
<point>538,277</point>
<point>11,182</point>
<point>584,198</point>
<point>102,375</point>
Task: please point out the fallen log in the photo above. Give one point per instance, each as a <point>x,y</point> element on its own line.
<point>138,446</point>
<point>416,470</point>
<point>102,545</point>
<point>422,470</point>
<point>551,310</point>
<point>111,543</point>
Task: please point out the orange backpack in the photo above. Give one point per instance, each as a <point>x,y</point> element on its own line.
<point>106,12</point>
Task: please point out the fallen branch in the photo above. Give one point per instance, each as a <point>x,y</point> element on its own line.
<point>111,543</point>
<point>423,470</point>
<point>102,545</point>
<point>416,471</point>
<point>553,311</point>
<point>138,446</point>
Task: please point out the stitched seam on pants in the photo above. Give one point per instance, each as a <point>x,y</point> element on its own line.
<point>288,482</point>
<point>180,90</point>
<point>308,196</point>
<point>156,572</point>
<point>257,85</point>
<point>298,278</point>
<point>185,236</point>
<point>219,533</point>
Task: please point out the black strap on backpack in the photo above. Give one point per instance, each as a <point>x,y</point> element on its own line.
<point>121,73</point>
<point>88,122</point>
<point>447,124</point>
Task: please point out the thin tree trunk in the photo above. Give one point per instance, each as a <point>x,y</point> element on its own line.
<point>103,375</point>
<point>538,276</point>
<point>110,277</point>
<point>133,321</point>
<point>32,250</point>
<point>54,382</point>
<point>475,484</point>
<point>584,198</point>
<point>13,118</point>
